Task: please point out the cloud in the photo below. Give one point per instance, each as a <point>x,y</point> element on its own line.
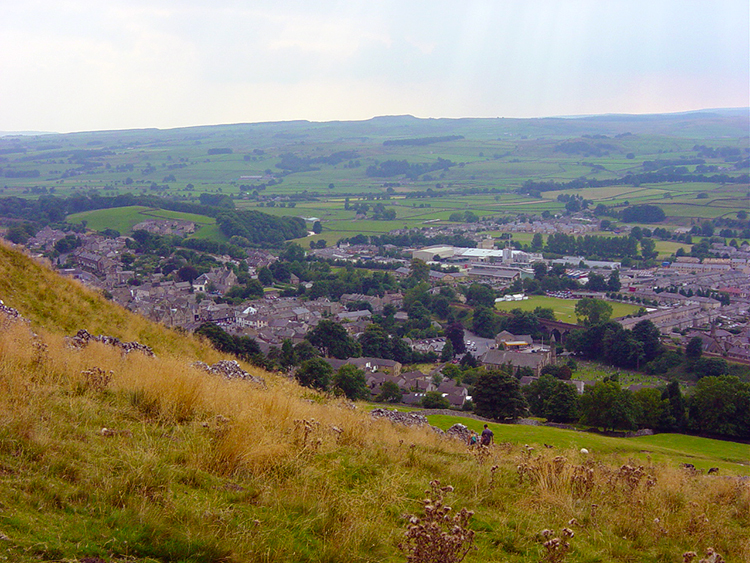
<point>79,64</point>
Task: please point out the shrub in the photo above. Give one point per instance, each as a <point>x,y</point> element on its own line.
<point>438,537</point>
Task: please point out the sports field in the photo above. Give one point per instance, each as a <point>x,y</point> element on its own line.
<point>564,308</point>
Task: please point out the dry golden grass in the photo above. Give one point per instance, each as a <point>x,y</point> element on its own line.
<point>111,455</point>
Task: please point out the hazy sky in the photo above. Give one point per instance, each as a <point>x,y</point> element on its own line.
<point>74,65</point>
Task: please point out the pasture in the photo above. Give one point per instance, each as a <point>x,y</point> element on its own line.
<point>488,162</point>
<point>704,453</point>
<point>564,308</point>
<point>123,219</point>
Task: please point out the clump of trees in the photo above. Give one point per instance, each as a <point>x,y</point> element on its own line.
<point>610,343</point>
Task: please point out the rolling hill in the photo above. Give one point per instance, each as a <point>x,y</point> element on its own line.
<point>114,456</point>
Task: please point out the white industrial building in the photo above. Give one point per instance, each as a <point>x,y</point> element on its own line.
<point>476,255</point>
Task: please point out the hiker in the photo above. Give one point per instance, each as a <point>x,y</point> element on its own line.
<point>487,436</point>
<point>473,439</point>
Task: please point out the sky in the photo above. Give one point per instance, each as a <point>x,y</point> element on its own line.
<point>81,65</point>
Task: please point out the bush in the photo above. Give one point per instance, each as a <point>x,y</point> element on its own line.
<point>435,400</point>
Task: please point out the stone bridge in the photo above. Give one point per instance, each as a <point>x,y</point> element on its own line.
<point>558,329</point>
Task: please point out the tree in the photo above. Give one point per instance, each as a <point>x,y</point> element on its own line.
<point>613,282</point>
<point>648,335</point>
<point>537,242</point>
<point>593,311</point>
<point>721,405</point>
<point>435,400</point>
<point>419,270</point>
<point>643,214</point>
<point>389,393</point>
<point>317,227</point>
<point>305,351</point>
<point>315,373</point>
<point>710,367</point>
<point>480,295</point>
<point>540,270</point>
<point>648,249</point>
<point>552,399</point>
<point>694,349</point>
<point>469,361</point>
<point>484,322</point>
<point>446,354</point>
<point>558,372</point>
<point>293,252</point>
<point>651,407</point>
<point>351,381</point>
<point>243,347</point>
<point>596,283</point>
<point>188,273</point>
<point>440,306</point>
<point>455,333</point>
<point>287,356</point>
<point>674,417</point>
<point>332,340</point>
<point>605,404</point>
<point>376,342</point>
<point>497,395</point>
<point>265,276</point>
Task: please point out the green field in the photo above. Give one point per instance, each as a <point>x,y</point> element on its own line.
<point>564,308</point>
<point>123,219</point>
<point>704,453</point>
<point>491,160</point>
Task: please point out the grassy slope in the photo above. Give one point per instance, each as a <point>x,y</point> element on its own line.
<point>195,468</point>
<point>704,453</point>
<point>123,219</point>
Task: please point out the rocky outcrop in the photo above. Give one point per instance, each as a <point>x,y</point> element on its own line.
<point>404,418</point>
<point>83,338</point>
<point>459,431</point>
<point>229,369</point>
<point>10,313</point>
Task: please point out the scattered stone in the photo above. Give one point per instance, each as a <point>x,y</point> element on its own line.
<point>584,451</point>
<point>83,337</point>
<point>460,432</point>
<point>396,417</point>
<point>11,313</point>
<point>713,471</point>
<point>229,369</point>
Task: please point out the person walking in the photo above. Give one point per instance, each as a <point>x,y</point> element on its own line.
<point>487,436</point>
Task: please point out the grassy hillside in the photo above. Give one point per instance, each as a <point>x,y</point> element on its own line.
<point>123,219</point>
<point>136,458</point>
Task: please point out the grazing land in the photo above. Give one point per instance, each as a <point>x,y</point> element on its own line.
<point>564,308</point>
<point>123,219</point>
<point>481,166</point>
<point>704,453</point>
